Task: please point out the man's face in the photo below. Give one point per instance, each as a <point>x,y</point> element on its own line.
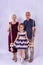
<point>27,15</point>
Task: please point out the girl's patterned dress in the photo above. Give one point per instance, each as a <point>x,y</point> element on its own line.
<point>22,42</point>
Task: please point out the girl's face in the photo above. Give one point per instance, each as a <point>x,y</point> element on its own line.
<point>21,28</point>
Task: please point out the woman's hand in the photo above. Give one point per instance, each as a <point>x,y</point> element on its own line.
<point>12,44</point>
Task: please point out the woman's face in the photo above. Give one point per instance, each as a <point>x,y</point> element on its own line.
<point>14,17</point>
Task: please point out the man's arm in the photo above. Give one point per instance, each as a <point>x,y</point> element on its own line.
<point>34,31</point>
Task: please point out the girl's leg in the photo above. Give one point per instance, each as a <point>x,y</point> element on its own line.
<point>22,54</point>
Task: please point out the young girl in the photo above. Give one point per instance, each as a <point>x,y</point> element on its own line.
<point>21,42</point>
<point>12,29</point>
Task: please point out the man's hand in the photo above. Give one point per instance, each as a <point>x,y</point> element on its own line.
<point>31,44</point>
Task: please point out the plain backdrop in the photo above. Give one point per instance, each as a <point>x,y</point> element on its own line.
<point>19,7</point>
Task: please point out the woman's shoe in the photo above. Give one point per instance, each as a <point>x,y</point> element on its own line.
<point>14,59</point>
<point>31,60</point>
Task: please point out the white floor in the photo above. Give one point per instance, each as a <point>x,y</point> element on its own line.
<point>6,59</point>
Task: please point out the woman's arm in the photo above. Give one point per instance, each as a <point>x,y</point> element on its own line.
<point>16,37</point>
<point>9,26</point>
<point>18,26</point>
<point>12,44</point>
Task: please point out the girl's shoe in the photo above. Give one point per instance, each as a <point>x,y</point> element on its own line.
<point>22,60</point>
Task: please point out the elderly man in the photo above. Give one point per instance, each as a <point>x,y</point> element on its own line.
<point>30,27</point>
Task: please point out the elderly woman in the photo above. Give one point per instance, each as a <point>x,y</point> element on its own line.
<point>13,29</point>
